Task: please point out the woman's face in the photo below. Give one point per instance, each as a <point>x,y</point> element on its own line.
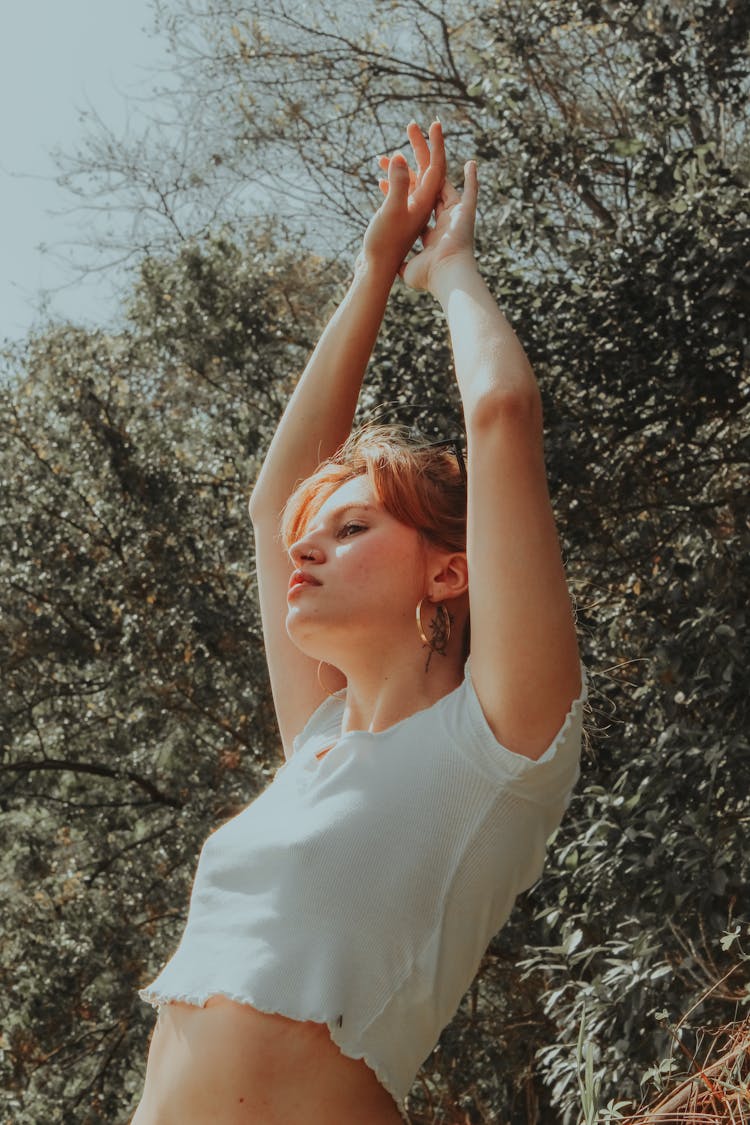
<point>371,571</point>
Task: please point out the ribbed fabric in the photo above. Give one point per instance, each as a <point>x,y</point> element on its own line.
<point>361,890</point>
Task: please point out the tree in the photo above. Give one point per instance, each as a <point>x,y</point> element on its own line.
<point>136,712</point>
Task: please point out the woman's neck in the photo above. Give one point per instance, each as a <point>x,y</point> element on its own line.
<point>376,700</point>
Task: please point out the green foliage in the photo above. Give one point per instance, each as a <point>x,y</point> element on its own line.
<point>614,169</point>
<point>135,714</point>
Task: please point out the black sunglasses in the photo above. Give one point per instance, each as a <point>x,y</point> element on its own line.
<point>452,444</point>
<point>454,447</point>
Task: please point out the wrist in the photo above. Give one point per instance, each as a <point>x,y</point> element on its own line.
<point>373,270</point>
<point>452,272</point>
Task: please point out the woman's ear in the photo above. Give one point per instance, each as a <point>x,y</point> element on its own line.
<point>450,576</point>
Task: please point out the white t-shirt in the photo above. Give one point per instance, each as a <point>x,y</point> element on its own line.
<point>361,889</point>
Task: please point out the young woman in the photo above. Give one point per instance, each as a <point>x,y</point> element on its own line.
<point>335,924</point>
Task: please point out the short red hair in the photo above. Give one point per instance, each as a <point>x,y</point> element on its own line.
<point>420,485</point>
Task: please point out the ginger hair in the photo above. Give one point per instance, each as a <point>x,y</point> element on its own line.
<point>420,485</point>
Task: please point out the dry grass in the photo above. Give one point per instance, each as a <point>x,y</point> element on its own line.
<point>714,1091</point>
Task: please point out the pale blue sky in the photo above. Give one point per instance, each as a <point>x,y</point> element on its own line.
<point>55,57</point>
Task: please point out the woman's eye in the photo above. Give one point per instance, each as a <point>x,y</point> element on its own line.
<point>351,527</point>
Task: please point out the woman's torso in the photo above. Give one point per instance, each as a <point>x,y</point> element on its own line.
<point>230,1064</point>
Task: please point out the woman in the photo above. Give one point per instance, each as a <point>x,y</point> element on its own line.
<point>336,922</point>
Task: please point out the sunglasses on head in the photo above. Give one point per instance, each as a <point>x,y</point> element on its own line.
<point>453,446</point>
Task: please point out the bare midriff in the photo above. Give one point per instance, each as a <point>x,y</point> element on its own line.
<point>229,1064</point>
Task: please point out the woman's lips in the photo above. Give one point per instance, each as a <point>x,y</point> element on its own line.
<point>300,580</point>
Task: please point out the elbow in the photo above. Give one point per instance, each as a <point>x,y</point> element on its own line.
<point>253,508</point>
<point>516,403</point>
<point>263,511</point>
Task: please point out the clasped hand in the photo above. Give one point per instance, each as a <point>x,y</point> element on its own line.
<point>413,199</point>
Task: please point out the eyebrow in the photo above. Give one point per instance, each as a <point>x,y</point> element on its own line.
<point>339,512</point>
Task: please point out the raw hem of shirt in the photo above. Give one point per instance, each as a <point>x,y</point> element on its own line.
<point>510,761</point>
<point>198,999</point>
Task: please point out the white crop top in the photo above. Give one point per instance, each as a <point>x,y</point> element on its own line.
<point>361,889</point>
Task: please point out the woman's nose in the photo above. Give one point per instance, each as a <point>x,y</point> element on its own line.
<point>302,550</point>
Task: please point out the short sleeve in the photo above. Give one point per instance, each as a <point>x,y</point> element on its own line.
<point>549,779</point>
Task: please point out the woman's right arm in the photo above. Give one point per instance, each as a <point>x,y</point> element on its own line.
<point>319,415</point>
<point>318,419</point>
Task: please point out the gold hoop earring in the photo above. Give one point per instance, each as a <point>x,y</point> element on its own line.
<point>441,630</point>
<point>323,686</point>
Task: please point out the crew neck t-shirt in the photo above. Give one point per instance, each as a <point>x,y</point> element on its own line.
<point>361,889</point>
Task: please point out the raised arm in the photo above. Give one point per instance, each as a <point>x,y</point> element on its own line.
<point>525,663</point>
<point>318,419</point>
<point>319,415</point>
<point>524,653</point>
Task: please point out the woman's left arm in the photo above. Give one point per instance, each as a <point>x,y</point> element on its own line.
<point>524,653</point>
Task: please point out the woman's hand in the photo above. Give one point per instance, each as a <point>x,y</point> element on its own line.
<point>410,199</point>
<point>451,238</point>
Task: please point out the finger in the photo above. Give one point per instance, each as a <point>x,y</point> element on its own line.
<point>398,180</point>
<point>384,162</point>
<point>432,180</point>
<point>437,152</point>
<point>419,145</point>
<point>471,186</point>
<point>383,185</point>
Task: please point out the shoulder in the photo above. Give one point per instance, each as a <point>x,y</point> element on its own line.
<point>549,777</point>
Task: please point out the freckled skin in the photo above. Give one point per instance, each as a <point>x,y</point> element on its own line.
<point>372,573</point>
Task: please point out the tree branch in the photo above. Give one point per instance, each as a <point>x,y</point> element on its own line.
<point>62,766</point>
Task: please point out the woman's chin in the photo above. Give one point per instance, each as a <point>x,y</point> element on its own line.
<point>303,638</point>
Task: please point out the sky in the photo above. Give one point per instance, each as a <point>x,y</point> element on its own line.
<point>57,57</point>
